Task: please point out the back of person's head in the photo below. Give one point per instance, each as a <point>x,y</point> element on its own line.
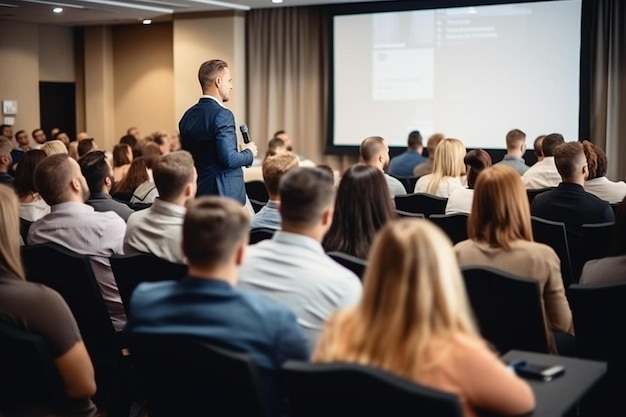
<point>570,160</point>
<point>129,140</point>
<point>54,147</point>
<point>515,139</point>
<point>477,160</point>
<point>500,211</point>
<point>137,174</point>
<point>213,229</point>
<point>275,146</point>
<point>448,162</point>
<point>413,292</point>
<point>274,167</point>
<point>53,177</point>
<point>538,145</point>
<point>371,148</point>
<point>209,71</point>
<point>174,174</point>
<point>305,194</point>
<point>362,207</point>
<point>85,146</point>
<point>433,142</point>
<point>414,141</point>
<point>596,160</point>
<point>96,170</point>
<point>5,152</point>
<point>550,142</point>
<point>150,152</point>
<point>24,183</point>
<point>619,231</point>
<point>10,260</point>
<point>122,155</point>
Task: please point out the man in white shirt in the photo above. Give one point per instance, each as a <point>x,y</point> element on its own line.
<point>292,267</point>
<point>544,173</point>
<point>158,229</point>
<point>375,152</point>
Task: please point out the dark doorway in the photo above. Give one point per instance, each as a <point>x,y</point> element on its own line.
<point>57,107</point>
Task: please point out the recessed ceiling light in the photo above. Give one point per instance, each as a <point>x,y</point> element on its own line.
<point>146,21</point>
<point>57,9</point>
<point>277,1</point>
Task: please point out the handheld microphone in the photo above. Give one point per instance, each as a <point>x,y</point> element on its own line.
<point>244,132</point>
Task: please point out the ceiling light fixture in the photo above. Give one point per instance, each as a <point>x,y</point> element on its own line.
<point>223,4</point>
<point>55,4</point>
<point>146,21</point>
<point>129,6</point>
<point>57,10</point>
<point>277,1</point>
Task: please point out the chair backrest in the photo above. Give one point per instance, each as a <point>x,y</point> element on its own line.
<point>354,264</point>
<point>342,389</point>
<point>402,213</point>
<point>257,205</point>
<point>454,225</point>
<point>508,309</point>
<point>534,193</point>
<point>71,275</point>
<point>259,234</point>
<point>598,311</point>
<point>132,269</point>
<point>594,243</point>
<point>29,376</point>
<point>407,182</point>
<point>554,235</point>
<point>256,191</point>
<point>182,376</point>
<point>426,204</point>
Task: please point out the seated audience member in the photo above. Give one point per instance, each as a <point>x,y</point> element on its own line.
<point>302,161</point>
<point>53,132</point>
<point>569,202</point>
<point>54,147</point>
<point>85,146</point>
<point>597,183</point>
<point>6,161</point>
<point>611,269</point>
<point>78,227</point>
<point>544,173</point>
<point>500,236</point>
<point>460,199</point>
<point>31,206</point>
<point>6,132</point>
<point>354,222</point>
<point>207,305</point>
<point>375,153</point>
<point>274,167</point>
<point>42,311</point>
<point>63,137</point>
<point>275,146</point>
<point>23,146</point>
<point>404,164</point>
<point>98,173</point>
<point>39,136</point>
<point>162,139</point>
<point>426,167</point>
<point>175,142</point>
<point>292,267</point>
<point>133,142</point>
<point>122,158</point>
<point>134,132</point>
<point>515,150</point>
<point>448,170</point>
<point>538,146</point>
<point>158,229</point>
<point>414,320</point>
<point>72,148</point>
<point>137,174</point>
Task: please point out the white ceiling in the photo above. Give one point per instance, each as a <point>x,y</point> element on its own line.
<point>91,12</point>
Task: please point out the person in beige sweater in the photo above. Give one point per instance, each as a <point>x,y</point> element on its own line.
<point>414,320</point>
<point>500,236</point>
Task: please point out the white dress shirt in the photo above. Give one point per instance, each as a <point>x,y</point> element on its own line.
<point>445,188</point>
<point>542,175</point>
<point>460,201</point>
<point>607,190</point>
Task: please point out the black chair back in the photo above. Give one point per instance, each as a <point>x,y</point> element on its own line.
<point>132,269</point>
<point>426,204</point>
<point>259,234</point>
<point>598,311</point>
<point>454,225</point>
<point>342,389</point>
<point>182,376</point>
<point>29,376</point>
<point>407,182</point>
<point>554,235</point>
<point>534,193</point>
<point>402,213</point>
<point>594,243</point>
<point>508,309</point>
<point>257,205</point>
<point>354,264</point>
<point>24,228</point>
<point>256,191</point>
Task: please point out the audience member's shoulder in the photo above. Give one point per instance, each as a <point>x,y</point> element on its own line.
<point>262,304</point>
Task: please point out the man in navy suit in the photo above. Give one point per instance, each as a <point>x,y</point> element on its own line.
<point>207,131</point>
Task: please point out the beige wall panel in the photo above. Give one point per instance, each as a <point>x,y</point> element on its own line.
<point>56,54</point>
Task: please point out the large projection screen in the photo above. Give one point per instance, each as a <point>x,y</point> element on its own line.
<point>472,72</point>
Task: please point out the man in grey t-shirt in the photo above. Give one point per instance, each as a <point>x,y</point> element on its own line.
<point>375,152</point>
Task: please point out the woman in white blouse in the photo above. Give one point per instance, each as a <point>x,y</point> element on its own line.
<point>31,206</point>
<point>448,169</point>
<point>597,183</point>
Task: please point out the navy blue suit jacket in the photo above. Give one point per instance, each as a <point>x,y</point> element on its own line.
<point>207,131</point>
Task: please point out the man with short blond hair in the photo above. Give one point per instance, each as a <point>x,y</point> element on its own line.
<point>515,151</point>
<point>375,152</point>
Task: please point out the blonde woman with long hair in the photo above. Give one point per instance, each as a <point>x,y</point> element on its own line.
<point>448,170</point>
<point>414,320</point>
<point>500,236</point>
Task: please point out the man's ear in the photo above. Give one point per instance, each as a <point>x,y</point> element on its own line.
<point>240,253</point>
<point>75,184</point>
<point>327,215</point>
<point>188,190</point>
